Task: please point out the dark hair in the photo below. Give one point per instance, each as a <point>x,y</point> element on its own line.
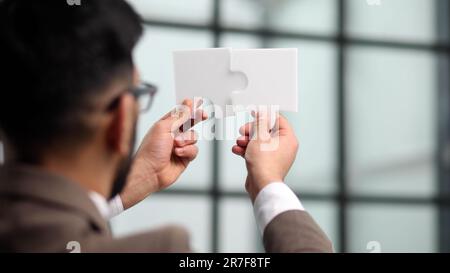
<point>54,59</point>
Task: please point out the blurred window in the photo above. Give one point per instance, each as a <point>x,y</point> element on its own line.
<point>373,78</point>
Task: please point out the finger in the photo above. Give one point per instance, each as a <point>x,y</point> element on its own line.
<point>187,138</point>
<point>186,103</point>
<point>188,152</point>
<point>199,116</point>
<point>243,141</point>
<point>204,115</point>
<point>198,102</point>
<point>262,125</point>
<point>282,124</point>
<point>199,113</point>
<point>238,150</point>
<point>178,116</point>
<point>246,129</point>
<point>182,120</point>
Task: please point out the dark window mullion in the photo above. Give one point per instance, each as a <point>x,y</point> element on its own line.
<point>215,187</point>
<point>341,132</point>
<point>443,128</point>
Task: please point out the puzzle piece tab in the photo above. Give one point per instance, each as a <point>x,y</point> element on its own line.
<point>238,77</point>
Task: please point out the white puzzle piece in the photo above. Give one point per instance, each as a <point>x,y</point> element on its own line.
<point>238,77</point>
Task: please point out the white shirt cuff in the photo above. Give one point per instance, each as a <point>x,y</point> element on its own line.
<point>115,206</point>
<point>271,201</point>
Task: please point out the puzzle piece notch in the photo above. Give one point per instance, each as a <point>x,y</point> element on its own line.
<point>206,73</point>
<point>242,77</point>
<point>273,78</point>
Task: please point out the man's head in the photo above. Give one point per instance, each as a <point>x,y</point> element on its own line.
<point>62,67</point>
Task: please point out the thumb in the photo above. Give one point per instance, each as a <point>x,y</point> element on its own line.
<point>178,116</point>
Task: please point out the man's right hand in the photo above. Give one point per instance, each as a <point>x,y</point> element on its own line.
<point>269,154</point>
<point>164,154</point>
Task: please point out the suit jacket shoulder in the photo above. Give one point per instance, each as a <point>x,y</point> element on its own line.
<point>41,212</point>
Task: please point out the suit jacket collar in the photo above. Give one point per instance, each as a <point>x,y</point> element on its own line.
<point>32,182</point>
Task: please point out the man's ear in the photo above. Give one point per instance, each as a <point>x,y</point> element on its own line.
<point>120,129</point>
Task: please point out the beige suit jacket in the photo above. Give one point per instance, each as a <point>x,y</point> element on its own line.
<point>42,212</point>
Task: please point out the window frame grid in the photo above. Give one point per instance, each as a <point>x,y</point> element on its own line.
<point>342,198</point>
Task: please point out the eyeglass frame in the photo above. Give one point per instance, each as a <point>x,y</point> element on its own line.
<point>142,89</point>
